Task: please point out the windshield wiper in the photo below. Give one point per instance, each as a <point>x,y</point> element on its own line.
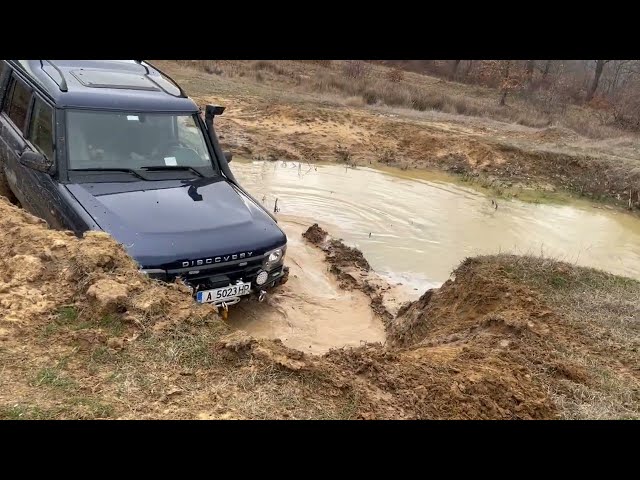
<point>160,168</point>
<point>125,170</point>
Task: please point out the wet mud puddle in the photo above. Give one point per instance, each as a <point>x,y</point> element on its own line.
<point>413,231</point>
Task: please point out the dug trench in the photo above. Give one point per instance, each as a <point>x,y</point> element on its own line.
<point>84,335</point>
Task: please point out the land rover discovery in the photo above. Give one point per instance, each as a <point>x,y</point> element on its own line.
<point>118,146</point>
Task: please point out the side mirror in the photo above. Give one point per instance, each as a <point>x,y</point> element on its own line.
<point>228,156</point>
<point>211,111</point>
<point>35,161</point>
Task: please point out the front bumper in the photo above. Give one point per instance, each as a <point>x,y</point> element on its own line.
<point>207,280</point>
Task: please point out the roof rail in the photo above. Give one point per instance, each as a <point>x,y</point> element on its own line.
<point>63,84</point>
<point>182,92</point>
<point>145,67</point>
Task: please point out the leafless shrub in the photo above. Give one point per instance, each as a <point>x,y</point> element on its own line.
<point>387,156</point>
<point>323,63</point>
<point>370,96</point>
<point>356,69</point>
<point>270,66</point>
<point>396,96</point>
<point>343,154</point>
<point>211,67</point>
<point>395,75</point>
<point>354,101</point>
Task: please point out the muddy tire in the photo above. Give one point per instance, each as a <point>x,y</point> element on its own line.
<point>285,276</point>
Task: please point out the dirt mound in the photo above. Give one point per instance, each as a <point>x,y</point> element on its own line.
<point>547,320</point>
<point>47,269</point>
<point>476,299</point>
<point>351,269</point>
<point>445,382</point>
<point>315,234</point>
<point>339,254</point>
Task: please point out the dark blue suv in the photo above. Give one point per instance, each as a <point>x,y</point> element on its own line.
<point>118,146</point>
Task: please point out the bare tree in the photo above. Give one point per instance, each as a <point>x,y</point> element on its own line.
<point>547,68</point>
<point>596,78</point>
<point>454,69</point>
<point>529,73</point>
<point>468,69</point>
<point>505,82</point>
<point>617,77</point>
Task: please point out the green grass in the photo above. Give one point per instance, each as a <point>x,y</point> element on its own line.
<point>548,274</point>
<point>102,355</point>
<point>26,412</point>
<point>53,377</point>
<point>190,350</point>
<point>67,315</point>
<point>88,408</point>
<point>70,318</point>
<point>113,324</point>
<point>350,408</point>
<point>558,281</point>
<point>74,408</point>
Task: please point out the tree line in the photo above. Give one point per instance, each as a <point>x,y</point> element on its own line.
<point>612,87</point>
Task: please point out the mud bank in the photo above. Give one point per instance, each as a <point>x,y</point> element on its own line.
<point>312,312</point>
<point>84,335</point>
<point>354,272</point>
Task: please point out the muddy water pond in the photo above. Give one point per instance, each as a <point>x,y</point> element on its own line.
<point>415,230</point>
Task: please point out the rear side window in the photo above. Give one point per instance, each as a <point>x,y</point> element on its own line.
<point>17,102</point>
<point>41,128</point>
<point>3,70</point>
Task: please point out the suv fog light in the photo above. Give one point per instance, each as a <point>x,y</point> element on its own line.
<point>262,277</point>
<point>274,258</point>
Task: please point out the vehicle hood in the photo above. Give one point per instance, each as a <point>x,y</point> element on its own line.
<point>166,222</point>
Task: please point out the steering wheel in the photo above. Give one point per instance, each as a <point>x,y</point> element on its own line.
<point>186,155</point>
<point>167,146</point>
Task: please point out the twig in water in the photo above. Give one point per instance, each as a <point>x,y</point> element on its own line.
<point>297,264</point>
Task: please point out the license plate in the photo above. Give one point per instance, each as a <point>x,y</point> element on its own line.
<point>223,293</point>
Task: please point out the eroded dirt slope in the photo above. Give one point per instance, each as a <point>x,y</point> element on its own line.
<point>84,335</point>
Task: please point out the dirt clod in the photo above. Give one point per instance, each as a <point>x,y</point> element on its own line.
<point>108,294</point>
<point>315,234</point>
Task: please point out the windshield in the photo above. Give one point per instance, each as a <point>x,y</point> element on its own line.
<point>115,140</point>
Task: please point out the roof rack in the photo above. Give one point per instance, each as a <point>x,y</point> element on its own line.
<point>63,84</point>
<point>182,92</point>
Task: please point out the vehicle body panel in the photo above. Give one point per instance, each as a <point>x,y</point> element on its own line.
<point>203,228</point>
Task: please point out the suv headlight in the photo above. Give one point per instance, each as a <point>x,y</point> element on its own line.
<point>274,257</point>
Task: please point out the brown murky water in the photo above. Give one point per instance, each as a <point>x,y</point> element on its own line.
<point>310,312</point>
<point>414,231</point>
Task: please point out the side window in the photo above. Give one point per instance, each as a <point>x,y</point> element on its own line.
<point>16,104</point>
<point>4,68</point>
<point>41,128</point>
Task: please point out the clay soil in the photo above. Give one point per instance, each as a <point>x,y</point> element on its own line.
<point>84,335</point>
